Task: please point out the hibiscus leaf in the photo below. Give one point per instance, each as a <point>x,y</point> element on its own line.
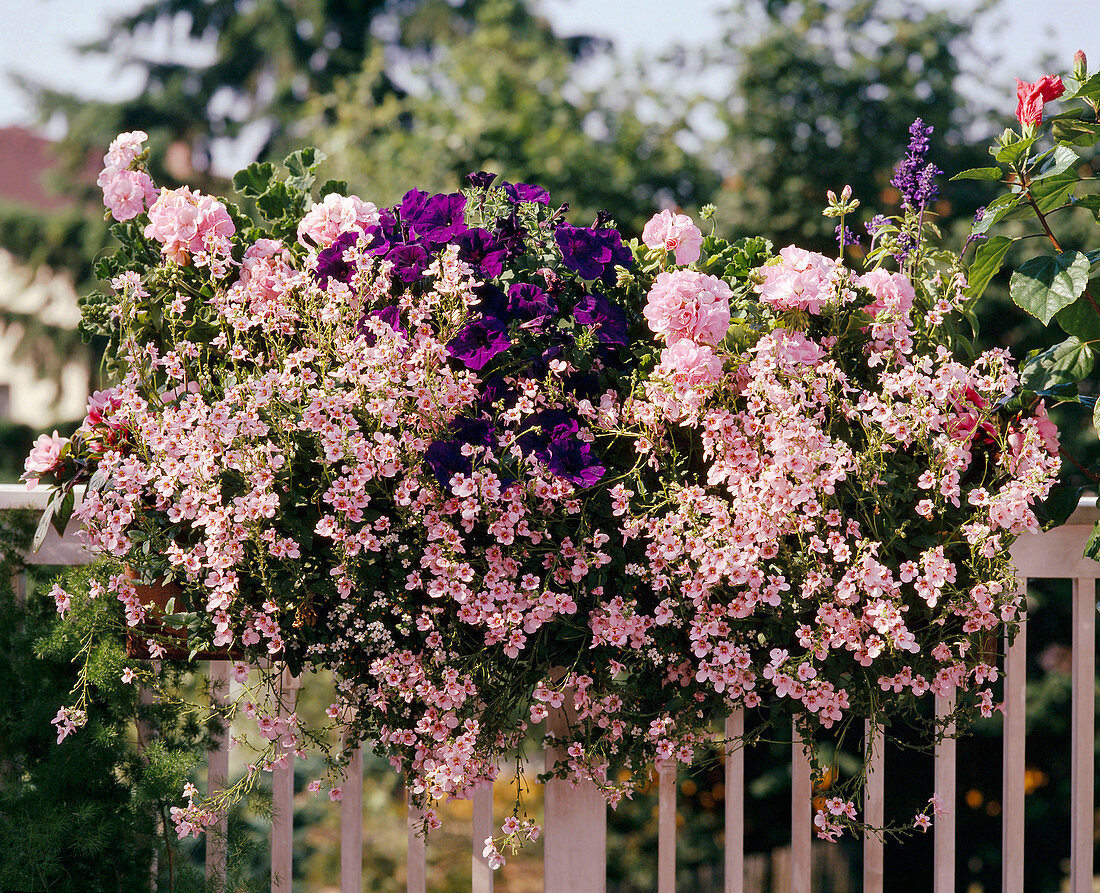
<point>1055,510</point>
<point>1065,363</point>
<point>1044,285</point>
<point>980,173</point>
<point>1060,161</point>
<point>1092,544</point>
<point>987,262</point>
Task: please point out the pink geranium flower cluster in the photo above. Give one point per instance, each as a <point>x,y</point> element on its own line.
<point>411,456</point>
<point>127,188</point>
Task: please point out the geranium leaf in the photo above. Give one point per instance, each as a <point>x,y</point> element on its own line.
<point>1060,161</point>
<point>1044,285</point>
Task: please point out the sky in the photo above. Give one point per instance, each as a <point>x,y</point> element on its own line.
<point>39,36</point>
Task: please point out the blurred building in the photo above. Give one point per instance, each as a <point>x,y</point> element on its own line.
<point>28,393</point>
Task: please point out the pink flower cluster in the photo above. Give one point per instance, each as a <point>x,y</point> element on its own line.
<point>800,280</point>
<point>189,223</point>
<point>127,191</point>
<point>674,233</point>
<point>333,215</point>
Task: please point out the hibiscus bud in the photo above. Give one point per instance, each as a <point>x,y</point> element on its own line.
<point>1080,65</point>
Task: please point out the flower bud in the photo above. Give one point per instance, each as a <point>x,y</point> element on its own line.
<point>846,193</point>
<point>1080,65</point>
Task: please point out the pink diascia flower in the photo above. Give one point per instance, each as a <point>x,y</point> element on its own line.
<point>690,365</point>
<point>676,234</point>
<point>187,222</point>
<point>43,457</point>
<point>802,280</point>
<point>334,215</point>
<point>688,305</point>
<point>1031,97</point>
<point>1047,429</point>
<point>893,292</point>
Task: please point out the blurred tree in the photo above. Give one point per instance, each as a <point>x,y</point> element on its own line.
<point>503,93</point>
<point>231,69</point>
<point>823,94</point>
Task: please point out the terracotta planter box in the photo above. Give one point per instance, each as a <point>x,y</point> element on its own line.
<point>172,638</point>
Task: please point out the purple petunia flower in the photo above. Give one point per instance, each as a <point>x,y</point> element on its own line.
<point>437,219</point>
<point>331,263</point>
<point>389,315</point>
<point>572,459</point>
<point>529,302</point>
<point>409,262</point>
<point>510,233</point>
<point>481,179</point>
<point>591,253</point>
<point>482,251</point>
<point>609,319</point>
<point>526,192</point>
<point>445,459</point>
<point>478,342</point>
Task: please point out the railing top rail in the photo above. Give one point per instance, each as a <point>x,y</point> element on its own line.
<point>17,496</point>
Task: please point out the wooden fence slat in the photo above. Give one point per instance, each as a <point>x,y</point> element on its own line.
<point>416,858</point>
<point>666,828</point>
<point>943,828</point>
<point>1012,777</point>
<point>217,775</point>
<point>1083,735</point>
<point>282,789</point>
<point>482,875</point>
<point>801,819</point>
<point>575,852</point>
<point>351,827</point>
<point>735,804</point>
<point>874,809</point>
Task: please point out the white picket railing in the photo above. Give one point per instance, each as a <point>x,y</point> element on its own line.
<point>575,818</point>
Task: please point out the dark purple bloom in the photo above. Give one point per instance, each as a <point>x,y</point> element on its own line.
<point>437,219</point>
<point>510,233</point>
<point>914,177</point>
<point>526,192</point>
<point>445,459</point>
<point>572,459</point>
<point>479,342</point>
<point>591,253</point>
<point>385,234</point>
<point>331,263</point>
<point>481,179</point>
<point>608,319</point>
<point>602,219</point>
<point>475,432</point>
<point>492,302</point>
<point>409,262</point>
<point>529,302</point>
<point>497,389</point>
<point>482,251</point>
<point>389,315</point>
<point>545,426</point>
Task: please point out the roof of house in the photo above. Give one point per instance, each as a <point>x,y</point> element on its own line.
<point>25,161</point>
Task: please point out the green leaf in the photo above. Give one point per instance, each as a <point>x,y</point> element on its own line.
<point>254,179</point>
<point>987,262</point>
<point>1013,152</point>
<point>1055,510</point>
<point>339,187</point>
<point>1076,133</point>
<point>980,173</point>
<point>1081,319</point>
<point>1092,544</point>
<point>1091,202</point>
<point>1061,160</point>
<point>996,210</point>
<point>277,202</point>
<point>1065,363</point>
<point>1044,285</point>
<point>1088,87</point>
<point>304,161</point>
